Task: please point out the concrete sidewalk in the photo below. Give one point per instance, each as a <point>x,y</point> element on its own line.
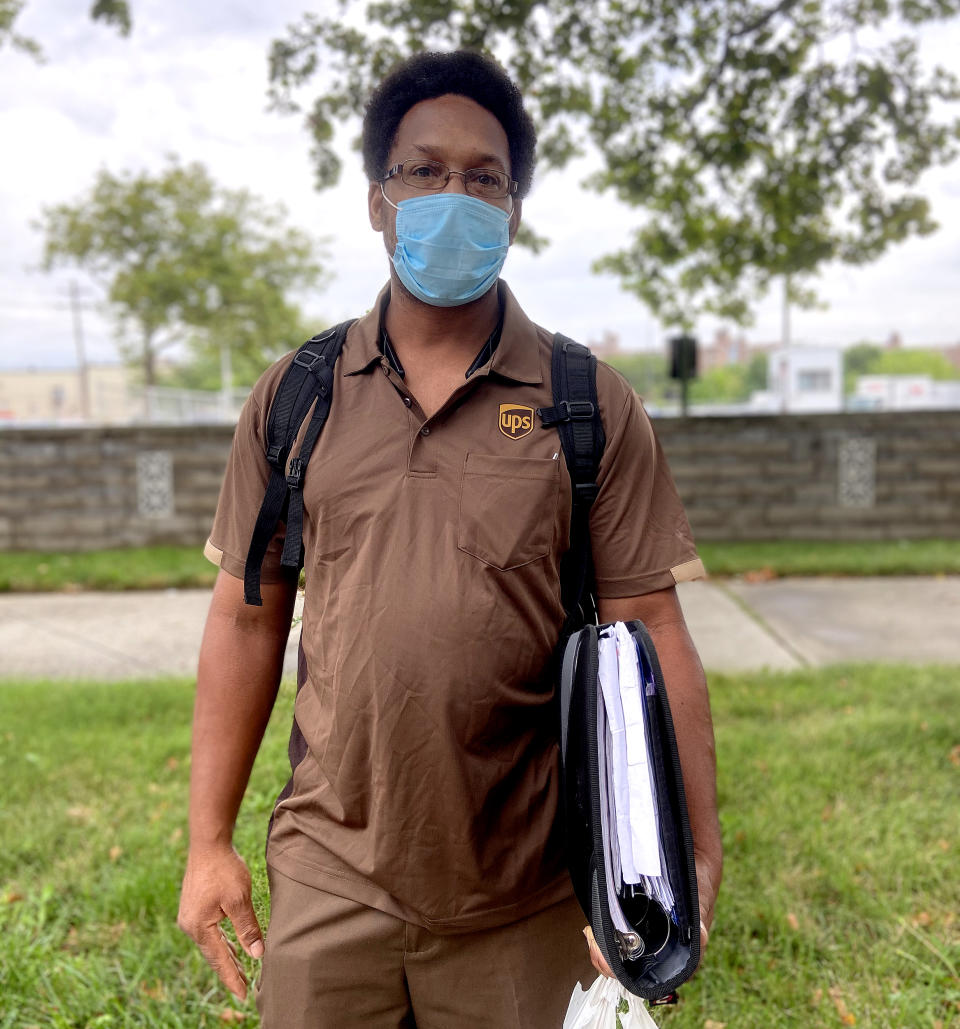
<point>737,626</point>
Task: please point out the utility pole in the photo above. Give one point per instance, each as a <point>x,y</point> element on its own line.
<point>82,372</point>
<point>226,381</point>
<point>785,332</point>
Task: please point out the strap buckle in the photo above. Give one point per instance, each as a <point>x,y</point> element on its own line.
<point>585,492</point>
<point>295,473</point>
<point>576,410</point>
<point>309,360</point>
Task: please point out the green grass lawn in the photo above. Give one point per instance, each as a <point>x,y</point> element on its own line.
<point>839,795</point>
<point>121,569</point>
<point>181,567</point>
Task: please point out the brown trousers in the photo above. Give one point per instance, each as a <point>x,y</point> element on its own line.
<point>331,963</point>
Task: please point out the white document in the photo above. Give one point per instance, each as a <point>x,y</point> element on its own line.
<point>608,819</point>
<point>609,675</point>
<point>644,832</point>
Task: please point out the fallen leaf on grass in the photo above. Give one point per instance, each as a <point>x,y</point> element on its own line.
<point>921,918</point>
<point>80,813</point>
<point>115,853</point>
<point>173,763</point>
<point>176,836</point>
<point>229,1015</point>
<point>792,921</point>
<point>710,1024</point>
<point>13,897</point>
<point>846,1017</point>
<point>155,992</point>
<point>764,574</point>
<point>943,845</point>
<point>160,811</point>
<point>816,997</point>
<point>955,756</point>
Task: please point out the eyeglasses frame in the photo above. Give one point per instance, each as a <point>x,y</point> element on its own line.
<point>397,169</point>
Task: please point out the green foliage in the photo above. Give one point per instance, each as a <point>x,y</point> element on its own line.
<point>9,12</point>
<point>126,568</point>
<point>772,559</point>
<point>113,12</point>
<point>648,373</point>
<point>760,140</point>
<point>184,260</point>
<point>731,384</point>
<point>867,359</point>
<point>838,805</point>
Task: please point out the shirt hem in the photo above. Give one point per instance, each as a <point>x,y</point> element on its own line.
<point>362,891</point>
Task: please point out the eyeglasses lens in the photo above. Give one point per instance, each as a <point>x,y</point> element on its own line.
<point>487,183</point>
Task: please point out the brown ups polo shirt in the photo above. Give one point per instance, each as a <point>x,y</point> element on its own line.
<point>432,549</point>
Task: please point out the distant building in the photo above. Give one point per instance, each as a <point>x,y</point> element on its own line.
<point>802,380</point>
<point>607,346</point>
<point>45,396</point>
<point>48,395</point>
<point>904,393</point>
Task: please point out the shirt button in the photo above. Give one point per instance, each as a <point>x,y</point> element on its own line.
<point>425,431</point>
<point>407,401</point>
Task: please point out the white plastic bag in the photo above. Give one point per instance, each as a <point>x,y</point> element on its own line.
<point>606,1005</point>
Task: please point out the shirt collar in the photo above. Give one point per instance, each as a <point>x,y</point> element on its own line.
<point>512,351</point>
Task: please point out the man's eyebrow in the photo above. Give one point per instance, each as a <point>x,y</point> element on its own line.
<point>436,153</point>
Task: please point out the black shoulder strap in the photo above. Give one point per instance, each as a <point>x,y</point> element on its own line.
<point>576,415</point>
<point>306,384</point>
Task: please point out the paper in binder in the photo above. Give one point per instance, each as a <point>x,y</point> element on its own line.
<point>629,843</point>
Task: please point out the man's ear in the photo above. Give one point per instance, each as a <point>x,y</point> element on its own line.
<point>515,219</point>
<point>375,206</point>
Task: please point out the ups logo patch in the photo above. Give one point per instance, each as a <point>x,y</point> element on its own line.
<point>516,421</point>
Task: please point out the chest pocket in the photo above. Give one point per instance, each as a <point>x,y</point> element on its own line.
<point>508,509</point>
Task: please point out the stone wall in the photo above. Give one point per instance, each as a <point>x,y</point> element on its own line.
<point>853,476</point>
<point>85,489</point>
<point>864,476</point>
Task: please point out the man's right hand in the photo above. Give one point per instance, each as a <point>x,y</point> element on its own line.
<point>216,886</point>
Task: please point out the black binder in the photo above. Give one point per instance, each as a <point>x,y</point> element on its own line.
<point>662,951</point>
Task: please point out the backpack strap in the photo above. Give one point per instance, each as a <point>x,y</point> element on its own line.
<point>307,385</point>
<point>576,415</point>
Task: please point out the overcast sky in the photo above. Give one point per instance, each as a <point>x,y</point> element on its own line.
<point>191,79</point>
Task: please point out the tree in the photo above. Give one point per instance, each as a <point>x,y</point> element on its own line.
<point>184,260</point>
<point>867,359</point>
<point>113,12</point>
<point>760,140</point>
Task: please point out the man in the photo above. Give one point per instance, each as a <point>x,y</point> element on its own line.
<point>416,872</point>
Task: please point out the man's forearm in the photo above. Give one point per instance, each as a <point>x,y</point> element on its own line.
<point>241,660</point>
<point>690,708</point>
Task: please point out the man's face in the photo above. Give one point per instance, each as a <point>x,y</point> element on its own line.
<point>451,129</point>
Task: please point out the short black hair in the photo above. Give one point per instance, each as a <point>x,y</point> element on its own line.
<point>428,75</point>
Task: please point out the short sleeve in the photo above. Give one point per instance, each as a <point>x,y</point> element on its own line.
<point>639,530</point>
<point>244,484</point>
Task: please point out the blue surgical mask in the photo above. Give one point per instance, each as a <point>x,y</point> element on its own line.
<point>450,247</point>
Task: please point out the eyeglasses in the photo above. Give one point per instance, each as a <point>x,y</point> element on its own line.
<point>487,183</point>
